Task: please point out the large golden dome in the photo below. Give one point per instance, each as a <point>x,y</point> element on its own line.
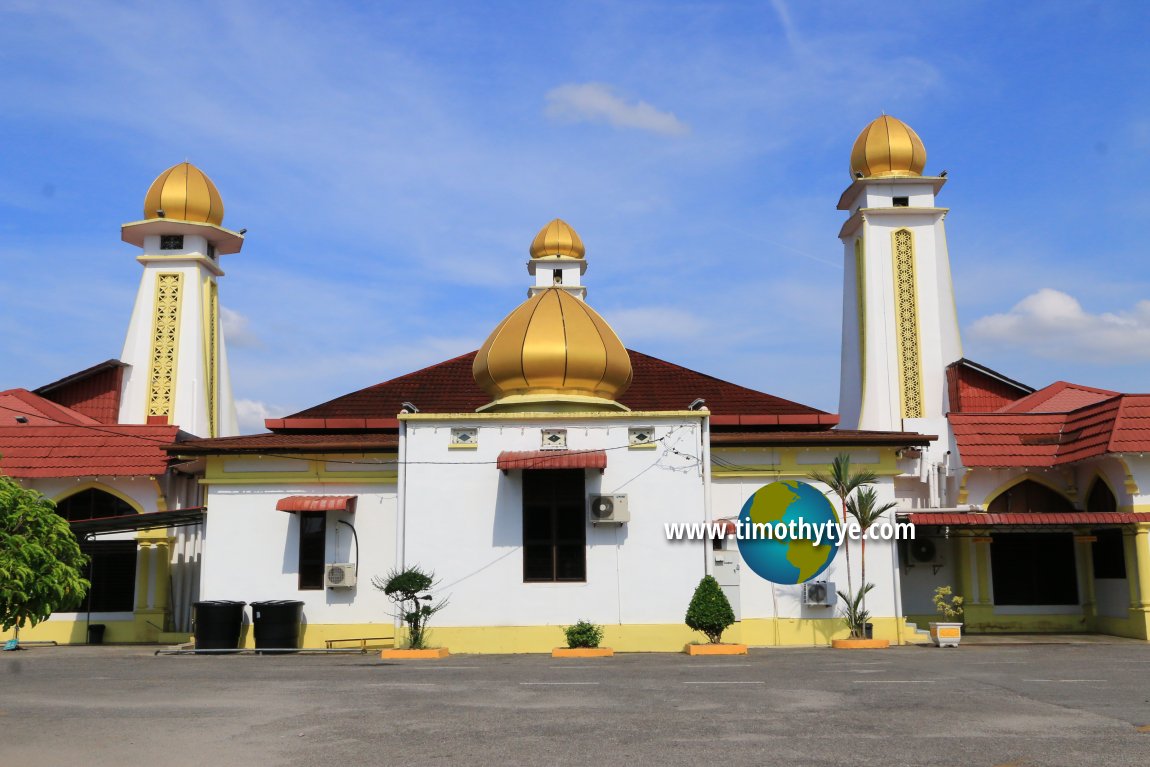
<point>888,147</point>
<point>557,240</point>
<point>553,349</point>
<point>184,193</point>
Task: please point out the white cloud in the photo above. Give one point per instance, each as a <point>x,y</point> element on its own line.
<point>251,414</point>
<point>236,329</point>
<point>598,103</point>
<point>1050,323</point>
<point>655,323</point>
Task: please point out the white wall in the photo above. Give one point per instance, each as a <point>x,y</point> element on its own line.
<point>251,550</point>
<point>464,521</point>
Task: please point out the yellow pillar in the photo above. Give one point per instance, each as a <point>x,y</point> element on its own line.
<point>1086,575</point>
<point>1130,549</point>
<point>982,555</point>
<point>143,570</point>
<point>965,581</point>
<point>1142,561</point>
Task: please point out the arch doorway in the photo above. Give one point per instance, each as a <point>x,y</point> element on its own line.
<point>112,563</point>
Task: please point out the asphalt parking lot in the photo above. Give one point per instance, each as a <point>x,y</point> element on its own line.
<point>1075,704</point>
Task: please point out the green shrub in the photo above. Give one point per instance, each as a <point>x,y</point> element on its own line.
<point>710,611</point>
<point>584,634</point>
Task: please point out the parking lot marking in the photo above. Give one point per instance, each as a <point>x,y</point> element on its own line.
<point>1064,680</point>
<point>893,681</point>
<point>722,682</point>
<point>543,684</point>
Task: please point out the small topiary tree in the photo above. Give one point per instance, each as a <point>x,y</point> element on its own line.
<point>583,634</point>
<point>710,610</point>
<point>407,589</point>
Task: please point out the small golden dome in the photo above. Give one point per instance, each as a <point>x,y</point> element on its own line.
<point>184,193</point>
<point>888,147</point>
<point>553,348</point>
<point>557,240</point>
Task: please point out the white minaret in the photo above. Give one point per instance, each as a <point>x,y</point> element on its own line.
<point>900,328</point>
<point>178,368</point>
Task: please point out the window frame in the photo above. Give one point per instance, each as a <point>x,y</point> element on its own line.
<point>310,569</point>
<point>561,495</point>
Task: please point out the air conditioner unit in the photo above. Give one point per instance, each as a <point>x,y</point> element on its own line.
<point>819,594</point>
<point>922,551</point>
<point>339,576</point>
<point>609,510</point>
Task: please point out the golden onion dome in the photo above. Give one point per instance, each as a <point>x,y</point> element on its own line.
<point>887,147</point>
<point>557,240</point>
<point>553,348</point>
<point>184,193</point>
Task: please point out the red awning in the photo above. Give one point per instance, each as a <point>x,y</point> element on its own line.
<point>317,503</point>
<point>553,459</point>
<point>1028,519</point>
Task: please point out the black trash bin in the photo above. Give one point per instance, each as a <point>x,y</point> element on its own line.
<point>96,633</point>
<point>276,624</point>
<point>868,631</point>
<point>217,624</point>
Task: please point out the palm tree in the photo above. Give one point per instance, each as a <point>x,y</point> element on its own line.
<point>865,509</point>
<point>843,482</point>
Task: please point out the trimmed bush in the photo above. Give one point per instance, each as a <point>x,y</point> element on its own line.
<point>584,634</point>
<point>710,611</point>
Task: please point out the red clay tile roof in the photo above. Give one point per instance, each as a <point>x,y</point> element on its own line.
<point>977,388</point>
<point>1036,519</point>
<point>1059,397</point>
<point>552,459</point>
<point>1131,431</point>
<point>448,387</point>
<point>1059,424</point>
<point>95,392</point>
<point>291,442</point>
<point>59,442</point>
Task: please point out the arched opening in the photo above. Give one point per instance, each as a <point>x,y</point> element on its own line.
<point>112,564</point>
<point>1107,552</point>
<point>1036,568</point>
<point>1101,497</point>
<point>92,503</point>
<point>1028,497</point>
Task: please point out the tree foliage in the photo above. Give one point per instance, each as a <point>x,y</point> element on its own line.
<point>41,566</point>
<point>710,611</point>
<point>407,589</point>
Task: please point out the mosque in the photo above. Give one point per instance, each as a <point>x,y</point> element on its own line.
<point>536,476</point>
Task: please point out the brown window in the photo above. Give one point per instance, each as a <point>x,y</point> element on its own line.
<point>1030,496</point>
<point>554,525</point>
<point>312,546</point>
<point>1034,569</point>
<point>112,571</point>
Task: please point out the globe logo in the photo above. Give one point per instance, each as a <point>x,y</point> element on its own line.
<point>783,559</point>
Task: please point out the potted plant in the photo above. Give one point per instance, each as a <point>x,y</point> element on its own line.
<point>408,589</point>
<point>583,640</point>
<point>710,612</point>
<point>948,632</point>
<point>859,502</point>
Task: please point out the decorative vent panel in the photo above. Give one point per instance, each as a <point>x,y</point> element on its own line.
<point>165,342</point>
<point>906,324</point>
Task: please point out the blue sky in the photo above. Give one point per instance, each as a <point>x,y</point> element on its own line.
<point>392,162</point>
